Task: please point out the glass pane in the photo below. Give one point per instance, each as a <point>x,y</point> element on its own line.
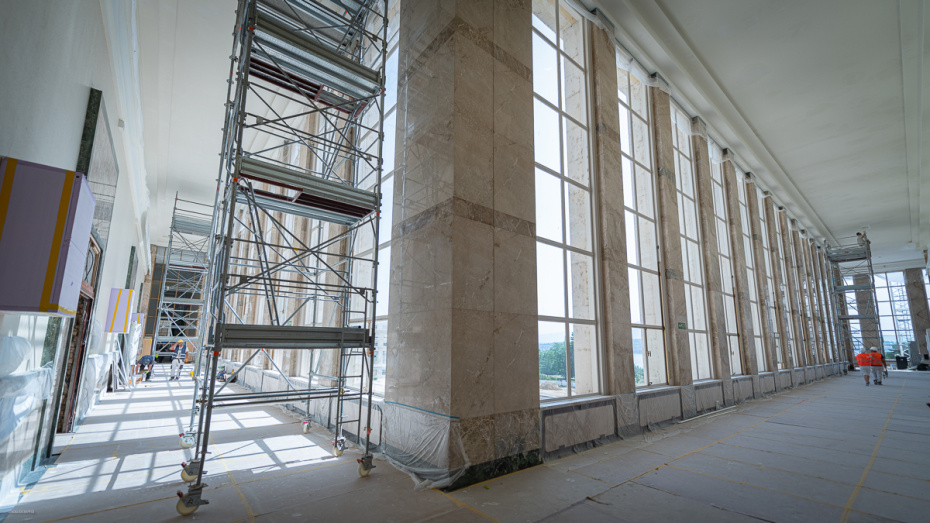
<point>648,245</point>
<point>736,362</point>
<point>544,17</point>
<point>652,300</point>
<point>386,218</point>
<point>636,308</point>
<point>639,360</point>
<point>545,73</point>
<point>625,130</point>
<point>581,278</point>
<point>583,356</point>
<point>576,152</point>
<point>626,168</point>
<point>573,92</point>
<point>632,242</point>
<point>694,260</point>
<point>702,351</point>
<point>390,81</point>
<point>644,197</point>
<point>550,280</point>
<point>546,135</point>
<point>578,203</point>
<point>570,33</point>
<point>623,87</point>
<point>384,280</point>
<point>548,206</point>
<point>380,363</point>
<point>638,95</point>
<point>552,360</point>
<point>655,355</point>
<point>390,133</point>
<point>641,142</point>
<point>685,177</point>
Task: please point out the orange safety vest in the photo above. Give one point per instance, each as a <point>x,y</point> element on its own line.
<point>876,358</point>
<point>865,360</point>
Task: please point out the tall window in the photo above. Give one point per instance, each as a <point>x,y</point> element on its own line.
<point>893,311</point>
<point>726,259</point>
<point>568,346</point>
<point>752,291</point>
<point>692,262</point>
<point>641,231</point>
<point>388,153</point>
<point>768,300</point>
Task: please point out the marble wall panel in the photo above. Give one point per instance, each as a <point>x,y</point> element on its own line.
<point>419,345</point>
<point>472,265</point>
<point>608,182</point>
<point>516,432</point>
<point>678,350</point>
<point>740,272</point>
<point>473,363</point>
<point>758,253</point>
<point>511,25</point>
<point>577,426</point>
<point>516,361</point>
<point>716,318</point>
<point>919,308</point>
<point>708,396</point>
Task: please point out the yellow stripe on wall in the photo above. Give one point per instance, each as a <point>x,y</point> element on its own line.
<point>128,301</point>
<point>6,190</point>
<point>119,296</point>
<point>63,207</point>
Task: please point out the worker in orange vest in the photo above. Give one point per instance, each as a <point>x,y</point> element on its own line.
<point>864,360</point>
<point>878,365</point>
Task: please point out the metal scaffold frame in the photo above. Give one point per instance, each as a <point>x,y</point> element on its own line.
<point>854,300</point>
<point>296,218</point>
<point>181,299</point>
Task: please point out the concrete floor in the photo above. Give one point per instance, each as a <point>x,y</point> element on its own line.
<point>831,451</point>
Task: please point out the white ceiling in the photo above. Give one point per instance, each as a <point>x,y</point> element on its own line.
<point>827,102</point>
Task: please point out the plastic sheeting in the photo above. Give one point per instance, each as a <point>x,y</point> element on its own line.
<point>425,445</point>
<point>96,372</point>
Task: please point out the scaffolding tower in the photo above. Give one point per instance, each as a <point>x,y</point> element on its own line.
<point>854,302</point>
<point>296,218</point>
<point>181,300</point>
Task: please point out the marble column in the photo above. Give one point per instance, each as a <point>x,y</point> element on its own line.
<point>782,318</point>
<point>619,372</point>
<point>869,330</point>
<point>747,338</point>
<point>462,340</point>
<point>758,254</point>
<point>678,347</point>
<point>844,341</point>
<point>917,302</point>
<point>791,282</point>
<point>816,301</point>
<point>826,305</point>
<point>807,270</point>
<point>716,315</point>
<point>803,312</point>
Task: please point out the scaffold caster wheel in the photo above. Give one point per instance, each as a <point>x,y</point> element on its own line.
<point>339,446</point>
<point>184,510</point>
<point>364,466</point>
<point>189,471</point>
<point>187,441</point>
<point>306,427</point>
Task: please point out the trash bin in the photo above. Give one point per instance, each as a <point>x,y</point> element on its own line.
<point>901,362</point>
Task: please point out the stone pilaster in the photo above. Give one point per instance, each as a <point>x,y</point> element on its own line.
<point>620,376</point>
<point>778,279</point>
<point>800,273</point>
<point>865,304</point>
<point>791,279</point>
<point>740,271</point>
<point>716,316</point>
<point>807,270</point>
<point>917,302</point>
<point>678,349</point>
<point>826,305</point>
<point>463,332</point>
<point>816,301</point>
<point>758,255</point>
